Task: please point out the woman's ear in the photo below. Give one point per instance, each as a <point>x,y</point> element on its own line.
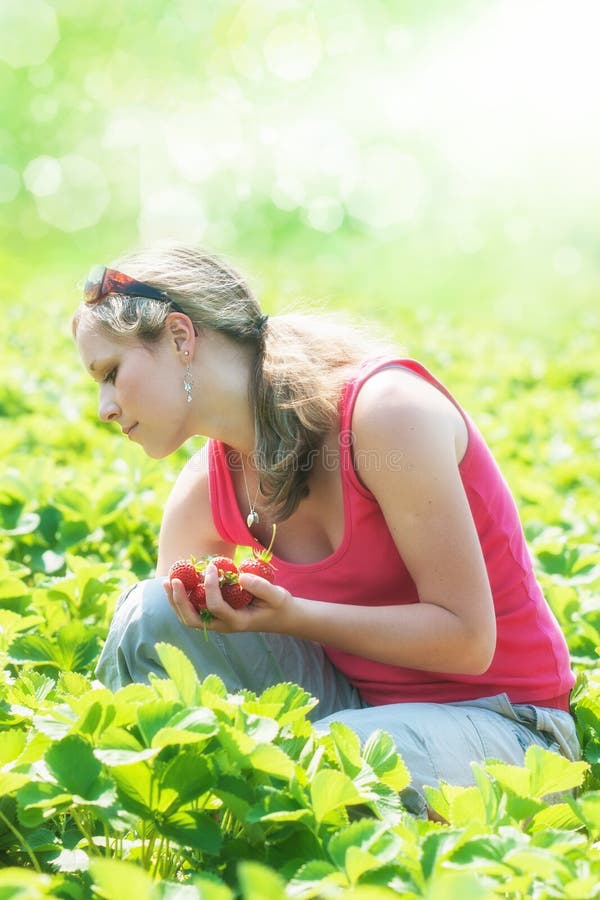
<point>181,331</point>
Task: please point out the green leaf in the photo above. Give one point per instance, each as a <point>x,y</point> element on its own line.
<point>257,882</point>
<point>463,885</point>
<point>309,879</point>
<point>72,647</point>
<point>12,744</point>
<point>274,806</point>
<point>294,702</point>
<point>10,781</point>
<point>260,728</point>
<point>189,774</point>
<point>12,589</point>
<point>347,745</point>
<point>557,815</point>
<point>33,687</point>
<point>135,785</point>
<point>115,879</point>
<point>72,762</point>
<point>238,744</point>
<point>367,834</point>
<point>126,757</point>
<point>37,801</point>
<point>19,884</point>
<point>330,790</point>
<point>181,671</point>
<point>151,717</point>
<point>534,860</point>
<point>381,754</point>
<point>206,886</point>
<point>212,686</point>
<point>359,861</point>
<point>193,828</point>
<point>270,759</point>
<point>73,684</point>
<point>28,523</point>
<point>587,809</point>
<point>236,794</point>
<point>466,807</point>
<point>436,848</point>
<point>551,773</point>
<point>187,726</point>
<point>512,778</point>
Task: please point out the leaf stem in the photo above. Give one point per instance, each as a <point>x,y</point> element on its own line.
<point>22,841</point>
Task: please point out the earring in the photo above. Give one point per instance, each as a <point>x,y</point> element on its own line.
<point>187,378</point>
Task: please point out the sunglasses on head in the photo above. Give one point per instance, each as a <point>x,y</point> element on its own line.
<point>102,281</point>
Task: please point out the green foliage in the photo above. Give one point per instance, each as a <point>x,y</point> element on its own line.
<point>178,786</point>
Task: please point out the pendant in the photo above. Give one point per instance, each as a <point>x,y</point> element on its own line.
<point>252,518</point>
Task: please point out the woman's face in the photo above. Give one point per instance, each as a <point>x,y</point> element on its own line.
<point>141,387</point>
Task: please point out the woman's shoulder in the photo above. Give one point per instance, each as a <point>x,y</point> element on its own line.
<point>395,402</point>
<point>395,386</point>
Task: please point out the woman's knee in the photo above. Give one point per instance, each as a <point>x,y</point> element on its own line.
<point>146,607</point>
<point>142,618</point>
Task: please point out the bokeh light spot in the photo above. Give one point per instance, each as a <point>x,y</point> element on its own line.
<point>28,32</point>
<point>567,261</point>
<point>172,213</point>
<point>391,189</point>
<point>42,176</point>
<point>293,52</point>
<point>325,214</point>
<point>44,108</point>
<point>9,184</point>
<point>79,199</point>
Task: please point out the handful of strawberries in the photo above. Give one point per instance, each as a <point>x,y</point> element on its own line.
<point>191,573</point>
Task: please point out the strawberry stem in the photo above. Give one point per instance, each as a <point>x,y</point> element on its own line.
<point>265,555</point>
<point>206,616</point>
<point>272,538</point>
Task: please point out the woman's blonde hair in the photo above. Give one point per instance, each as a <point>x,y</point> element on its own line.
<point>301,360</point>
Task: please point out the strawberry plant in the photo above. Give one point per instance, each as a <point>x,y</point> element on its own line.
<point>179,788</point>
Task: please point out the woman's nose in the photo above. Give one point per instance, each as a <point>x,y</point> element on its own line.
<point>108,408</point>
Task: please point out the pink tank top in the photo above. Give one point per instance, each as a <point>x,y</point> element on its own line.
<point>531,661</point>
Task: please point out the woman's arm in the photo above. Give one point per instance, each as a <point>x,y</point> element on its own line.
<point>423,500</point>
<point>187,527</point>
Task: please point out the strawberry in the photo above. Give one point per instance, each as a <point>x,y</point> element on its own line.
<point>197,596</point>
<point>256,565</point>
<point>186,571</point>
<point>231,592</point>
<point>224,565</point>
<point>235,595</point>
<point>260,562</point>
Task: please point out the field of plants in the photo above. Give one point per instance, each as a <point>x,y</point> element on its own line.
<point>178,789</point>
<point>430,166</point>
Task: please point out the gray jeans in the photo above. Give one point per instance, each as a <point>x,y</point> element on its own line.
<point>437,741</point>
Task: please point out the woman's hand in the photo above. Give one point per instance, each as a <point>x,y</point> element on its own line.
<point>271,609</point>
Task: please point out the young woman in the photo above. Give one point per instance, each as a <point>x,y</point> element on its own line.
<point>405,597</point>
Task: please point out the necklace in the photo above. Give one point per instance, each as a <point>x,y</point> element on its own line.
<point>252,517</point>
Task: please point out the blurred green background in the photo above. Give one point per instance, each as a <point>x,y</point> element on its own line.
<point>395,157</point>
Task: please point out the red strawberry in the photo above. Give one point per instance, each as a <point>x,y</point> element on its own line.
<point>197,596</point>
<point>185,571</point>
<point>260,562</point>
<point>231,592</point>
<point>257,566</point>
<point>235,595</point>
<point>224,565</point>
